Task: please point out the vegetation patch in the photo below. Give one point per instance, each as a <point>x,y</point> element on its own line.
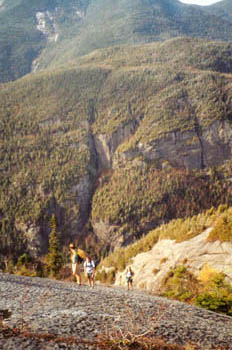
<point>222,229</point>
<point>178,230</point>
<point>209,290</point>
<point>180,284</point>
<point>140,198</point>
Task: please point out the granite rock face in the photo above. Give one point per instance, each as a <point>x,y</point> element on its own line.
<point>166,254</point>
<point>76,316</point>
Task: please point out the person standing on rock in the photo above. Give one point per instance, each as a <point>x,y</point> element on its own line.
<point>89,267</point>
<point>75,260</point>
<point>129,279</point>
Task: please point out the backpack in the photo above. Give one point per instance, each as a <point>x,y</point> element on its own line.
<point>78,259</point>
<point>81,254</point>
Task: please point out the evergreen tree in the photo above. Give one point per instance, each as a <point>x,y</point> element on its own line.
<point>54,257</point>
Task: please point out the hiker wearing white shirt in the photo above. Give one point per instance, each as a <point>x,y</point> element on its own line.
<point>129,278</point>
<point>89,267</point>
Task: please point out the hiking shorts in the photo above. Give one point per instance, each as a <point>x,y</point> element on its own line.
<point>90,274</point>
<point>75,269</point>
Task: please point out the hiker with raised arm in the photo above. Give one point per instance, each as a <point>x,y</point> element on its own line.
<point>76,261</point>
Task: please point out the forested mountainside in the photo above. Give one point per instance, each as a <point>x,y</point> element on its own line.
<point>115,143</point>
<point>40,33</point>
<point>222,9</point>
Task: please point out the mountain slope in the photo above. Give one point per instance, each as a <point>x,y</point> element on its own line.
<point>120,120</point>
<point>26,27</point>
<point>38,34</point>
<point>222,9</point>
<point>129,22</point>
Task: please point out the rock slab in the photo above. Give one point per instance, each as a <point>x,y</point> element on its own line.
<point>43,306</point>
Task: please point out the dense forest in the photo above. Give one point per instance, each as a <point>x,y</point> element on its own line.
<point>117,143</point>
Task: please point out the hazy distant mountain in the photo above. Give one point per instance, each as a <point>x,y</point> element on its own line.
<point>40,33</point>
<point>222,9</point>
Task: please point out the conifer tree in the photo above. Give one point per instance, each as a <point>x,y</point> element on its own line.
<point>54,257</point>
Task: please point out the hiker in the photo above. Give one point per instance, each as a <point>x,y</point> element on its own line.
<point>89,267</point>
<point>75,260</point>
<point>129,275</point>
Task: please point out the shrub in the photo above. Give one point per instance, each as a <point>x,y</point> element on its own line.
<point>163,260</point>
<point>23,259</point>
<point>213,302</point>
<point>206,274</point>
<point>25,271</point>
<point>106,277</point>
<point>209,291</point>
<point>155,271</point>
<point>215,293</point>
<point>179,284</point>
<point>222,229</point>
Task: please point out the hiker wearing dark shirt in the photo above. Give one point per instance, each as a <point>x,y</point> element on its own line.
<point>75,261</point>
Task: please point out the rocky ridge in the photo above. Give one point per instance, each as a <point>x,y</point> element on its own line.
<point>43,306</point>
<point>195,253</point>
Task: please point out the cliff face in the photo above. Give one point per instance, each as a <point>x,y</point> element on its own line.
<point>192,149</point>
<point>198,149</point>
<point>106,145</point>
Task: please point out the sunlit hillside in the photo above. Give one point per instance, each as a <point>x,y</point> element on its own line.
<point>150,121</point>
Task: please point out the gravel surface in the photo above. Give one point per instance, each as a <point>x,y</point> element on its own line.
<point>51,308</point>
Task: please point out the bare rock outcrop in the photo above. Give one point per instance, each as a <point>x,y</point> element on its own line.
<point>151,267</point>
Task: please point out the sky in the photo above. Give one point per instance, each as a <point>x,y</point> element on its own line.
<point>200,2</point>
